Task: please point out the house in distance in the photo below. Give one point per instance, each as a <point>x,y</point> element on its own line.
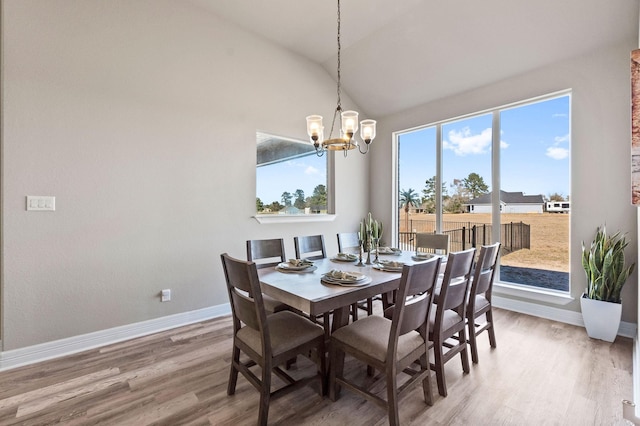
<point>510,202</point>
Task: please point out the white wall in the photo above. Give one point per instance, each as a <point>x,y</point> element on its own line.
<point>600,150</point>
<point>140,118</point>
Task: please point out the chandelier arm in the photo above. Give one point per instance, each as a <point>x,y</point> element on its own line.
<point>333,122</point>
<point>365,151</point>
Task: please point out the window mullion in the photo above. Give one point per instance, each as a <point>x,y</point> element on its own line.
<point>439,178</point>
<point>495,176</point>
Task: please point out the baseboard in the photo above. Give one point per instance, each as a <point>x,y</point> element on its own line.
<point>36,353</point>
<point>626,329</point>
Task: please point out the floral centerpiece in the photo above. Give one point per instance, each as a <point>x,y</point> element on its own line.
<point>370,235</point>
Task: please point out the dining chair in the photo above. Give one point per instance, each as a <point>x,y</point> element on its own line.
<point>391,346</point>
<point>267,340</point>
<point>447,324</point>
<point>310,247</point>
<point>432,243</point>
<point>479,302</point>
<point>266,254</point>
<point>348,242</point>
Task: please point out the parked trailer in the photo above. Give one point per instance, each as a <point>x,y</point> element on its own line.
<point>558,206</point>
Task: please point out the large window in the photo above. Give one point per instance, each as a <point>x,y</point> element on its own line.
<point>454,167</point>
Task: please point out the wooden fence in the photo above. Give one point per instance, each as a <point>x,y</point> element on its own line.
<point>464,235</point>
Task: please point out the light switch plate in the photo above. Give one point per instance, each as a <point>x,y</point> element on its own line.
<point>165,295</point>
<point>41,203</point>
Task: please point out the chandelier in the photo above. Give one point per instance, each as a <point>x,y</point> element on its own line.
<point>348,124</point>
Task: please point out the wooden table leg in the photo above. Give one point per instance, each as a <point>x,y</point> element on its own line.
<point>340,319</point>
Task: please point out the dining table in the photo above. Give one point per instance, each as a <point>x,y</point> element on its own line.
<point>310,290</point>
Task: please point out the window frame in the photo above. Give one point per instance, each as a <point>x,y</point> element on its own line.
<point>270,218</point>
<point>556,297</point>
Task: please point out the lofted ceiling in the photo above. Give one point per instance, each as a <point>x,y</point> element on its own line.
<point>397,54</point>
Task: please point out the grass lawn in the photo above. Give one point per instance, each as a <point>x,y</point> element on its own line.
<point>549,237</point>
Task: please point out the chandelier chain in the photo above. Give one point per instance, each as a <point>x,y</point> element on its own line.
<point>339,49</point>
<point>339,107</point>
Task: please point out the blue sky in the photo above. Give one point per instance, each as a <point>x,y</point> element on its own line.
<point>534,155</point>
<point>535,150</point>
<point>301,173</point>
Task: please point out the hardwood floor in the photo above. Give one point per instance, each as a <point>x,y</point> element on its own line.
<point>541,373</point>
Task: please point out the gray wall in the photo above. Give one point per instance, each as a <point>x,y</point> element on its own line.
<point>600,149</point>
<point>140,118</point>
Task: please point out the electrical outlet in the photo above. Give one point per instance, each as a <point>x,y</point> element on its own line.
<point>165,295</point>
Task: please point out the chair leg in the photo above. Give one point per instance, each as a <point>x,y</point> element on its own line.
<point>473,342</point>
<point>354,311</point>
<point>464,356</point>
<point>265,394</point>
<point>492,335</point>
<point>370,371</point>
<point>439,367</point>
<point>290,362</point>
<point>426,382</point>
<point>233,373</point>
<point>392,397</point>
<point>370,306</point>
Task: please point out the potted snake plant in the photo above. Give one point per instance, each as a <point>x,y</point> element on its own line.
<point>604,266</point>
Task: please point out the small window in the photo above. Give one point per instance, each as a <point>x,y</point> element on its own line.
<point>290,178</point>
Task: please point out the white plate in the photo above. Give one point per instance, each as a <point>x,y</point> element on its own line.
<point>387,268</point>
<point>290,267</point>
<point>388,250</point>
<point>345,257</point>
<point>391,266</point>
<point>427,256</point>
<point>357,276</point>
<point>362,282</point>
<point>296,271</point>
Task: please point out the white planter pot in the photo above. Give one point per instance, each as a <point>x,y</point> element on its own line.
<point>601,319</point>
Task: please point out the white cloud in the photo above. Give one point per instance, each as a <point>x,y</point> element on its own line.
<point>504,145</point>
<point>557,153</point>
<point>310,170</point>
<point>463,142</point>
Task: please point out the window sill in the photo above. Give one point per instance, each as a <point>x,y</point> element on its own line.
<point>531,293</point>
<point>294,218</point>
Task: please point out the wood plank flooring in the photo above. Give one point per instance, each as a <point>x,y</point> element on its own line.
<point>541,373</point>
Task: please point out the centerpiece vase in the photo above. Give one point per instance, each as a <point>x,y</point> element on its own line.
<point>368,262</point>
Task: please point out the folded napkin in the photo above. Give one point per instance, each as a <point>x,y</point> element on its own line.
<point>341,275</point>
<point>350,256</point>
<point>391,264</point>
<point>300,262</point>
<point>423,254</point>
